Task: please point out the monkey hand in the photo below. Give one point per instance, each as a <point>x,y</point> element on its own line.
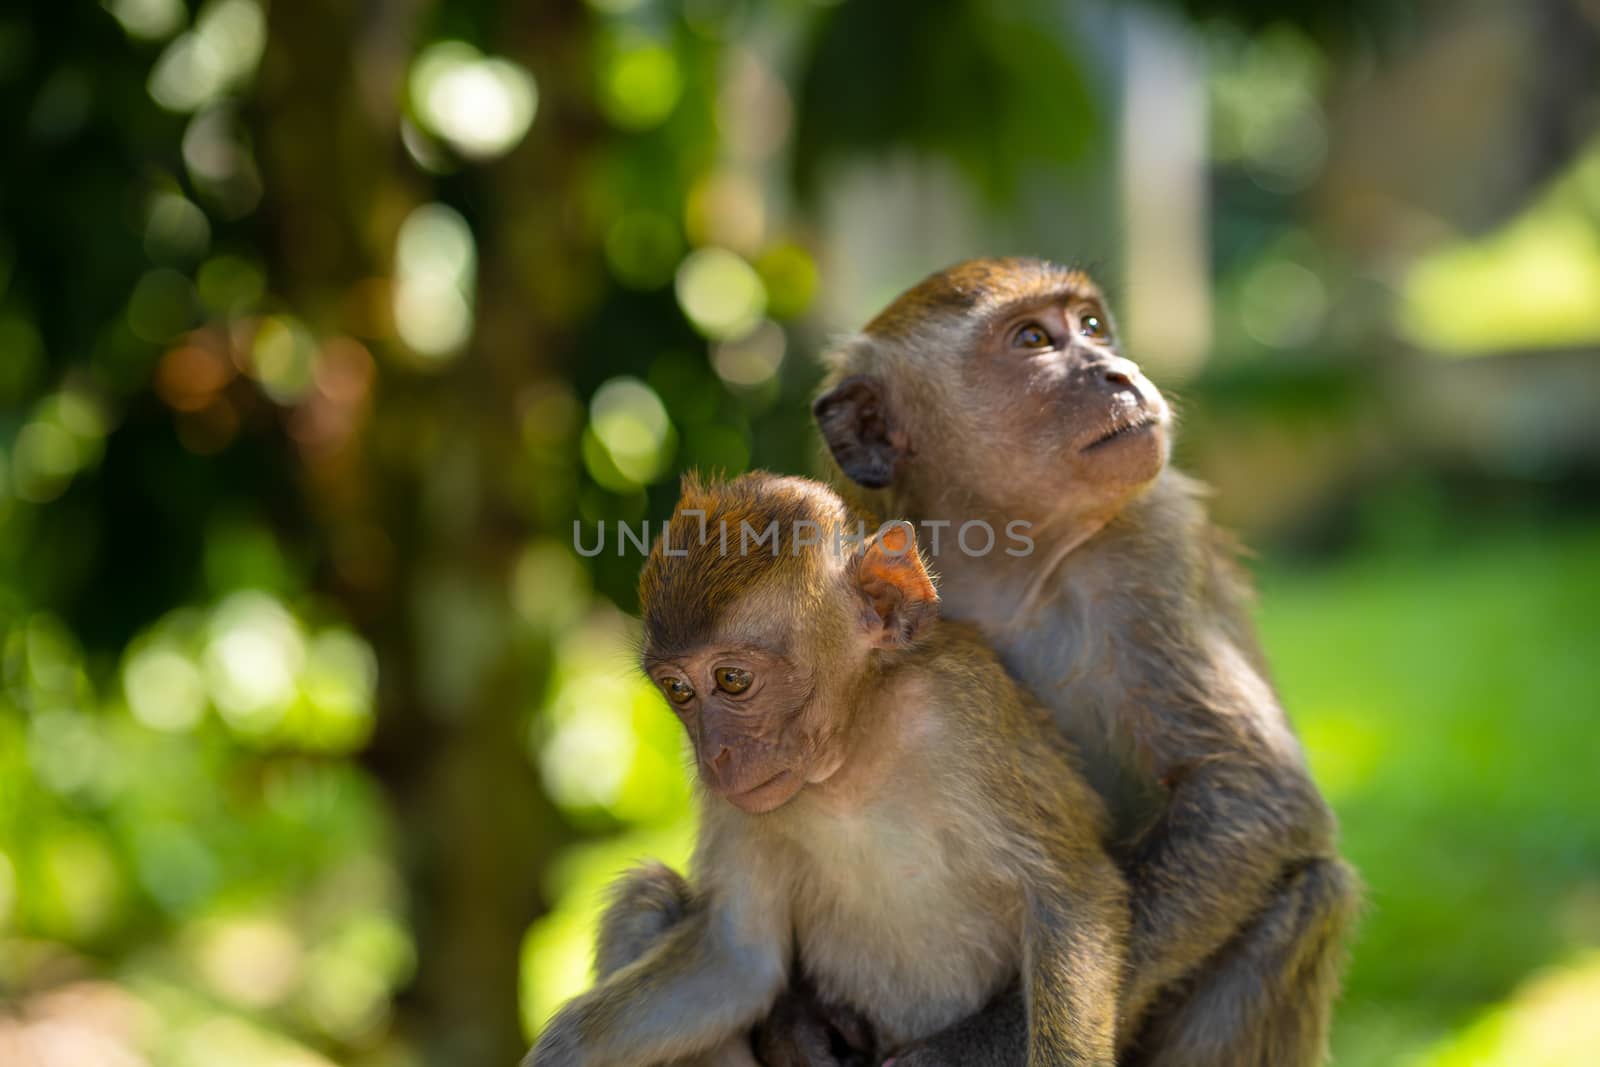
<point>802,1031</point>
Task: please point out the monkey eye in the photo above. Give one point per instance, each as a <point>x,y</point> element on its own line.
<point>1093,327</point>
<point>677,690</point>
<point>734,680</point>
<point>1031,335</point>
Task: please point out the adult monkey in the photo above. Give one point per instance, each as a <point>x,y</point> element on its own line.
<point>994,391</point>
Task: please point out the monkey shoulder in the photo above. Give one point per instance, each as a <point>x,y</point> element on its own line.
<point>1014,752</point>
<point>959,655</point>
<point>957,652</point>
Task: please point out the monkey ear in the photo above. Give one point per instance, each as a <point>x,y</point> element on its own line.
<point>899,594</point>
<point>854,419</point>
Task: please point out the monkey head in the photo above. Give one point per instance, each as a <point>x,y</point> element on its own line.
<point>763,608</point>
<point>997,385</point>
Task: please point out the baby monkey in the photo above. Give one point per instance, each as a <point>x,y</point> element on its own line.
<point>882,809</point>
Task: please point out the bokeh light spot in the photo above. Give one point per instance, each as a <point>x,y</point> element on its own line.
<point>252,660</point>
<point>726,207</point>
<point>150,20</point>
<point>349,978</point>
<point>755,112</point>
<point>164,688</point>
<point>790,275</point>
<point>190,376</point>
<point>250,960</point>
<point>481,106</point>
<point>752,360</point>
<point>721,294</point>
<point>435,274</point>
<point>640,85</point>
<point>629,421</point>
<point>586,758</point>
<point>175,229</point>
<point>220,164</point>
<point>219,54</point>
<point>230,285</point>
<point>1283,304</point>
<point>44,459</point>
<point>339,680</point>
<point>64,436</point>
<point>81,883</point>
<point>283,358</point>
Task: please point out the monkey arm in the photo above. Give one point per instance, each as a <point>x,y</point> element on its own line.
<point>1065,1010</point>
<point>1073,943</point>
<point>707,977</point>
<point>1234,825</point>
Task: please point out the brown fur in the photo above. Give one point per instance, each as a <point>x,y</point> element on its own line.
<point>939,844</point>
<point>683,597</point>
<point>977,289</point>
<point>1129,621</point>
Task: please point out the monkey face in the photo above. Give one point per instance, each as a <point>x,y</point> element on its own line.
<point>1053,403</point>
<point>743,707</point>
<point>999,383</point>
<point>761,652</point>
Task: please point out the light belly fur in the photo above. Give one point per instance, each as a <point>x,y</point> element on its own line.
<point>914,927</point>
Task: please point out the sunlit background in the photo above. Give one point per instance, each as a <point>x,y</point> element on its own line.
<point>322,323</point>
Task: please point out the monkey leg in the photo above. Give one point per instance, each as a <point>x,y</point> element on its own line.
<point>1266,998</point>
<point>645,903</point>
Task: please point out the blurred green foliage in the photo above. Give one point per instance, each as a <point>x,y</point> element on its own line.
<point>330,336</point>
<point>1442,699</point>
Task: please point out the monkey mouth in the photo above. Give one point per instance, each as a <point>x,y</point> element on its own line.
<point>1137,423</point>
<point>765,796</point>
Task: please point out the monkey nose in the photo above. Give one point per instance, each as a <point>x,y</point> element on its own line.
<point>1120,372</point>
<point>721,768</point>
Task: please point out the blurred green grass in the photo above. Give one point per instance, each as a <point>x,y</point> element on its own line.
<point>1448,703</point>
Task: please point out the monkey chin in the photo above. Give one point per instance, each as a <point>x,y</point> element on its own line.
<point>1129,452</point>
<point>770,795</point>
<point>1142,421</point>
